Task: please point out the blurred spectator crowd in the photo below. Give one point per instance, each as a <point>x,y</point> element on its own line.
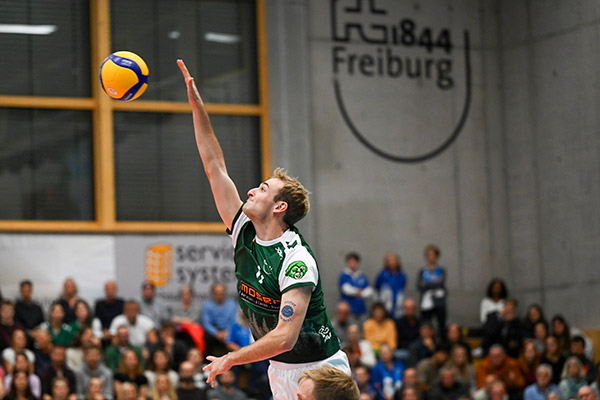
<point>398,347</point>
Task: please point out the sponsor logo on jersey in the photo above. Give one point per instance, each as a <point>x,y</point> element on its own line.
<point>257,299</point>
<point>296,270</point>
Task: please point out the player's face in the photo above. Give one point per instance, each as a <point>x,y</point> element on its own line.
<point>261,199</point>
<point>305,390</point>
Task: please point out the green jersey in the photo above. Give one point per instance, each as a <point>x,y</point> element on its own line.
<point>265,271</point>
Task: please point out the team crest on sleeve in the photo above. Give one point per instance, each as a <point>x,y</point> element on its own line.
<point>296,270</point>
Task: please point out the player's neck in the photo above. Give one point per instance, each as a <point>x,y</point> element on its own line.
<point>268,230</point>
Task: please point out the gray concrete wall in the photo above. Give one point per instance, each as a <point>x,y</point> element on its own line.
<point>515,196</point>
<point>551,80</point>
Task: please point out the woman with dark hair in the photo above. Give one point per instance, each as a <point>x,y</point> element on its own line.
<point>131,371</point>
<point>19,388</point>
<point>540,334</point>
<point>562,332</point>
<point>56,326</point>
<point>85,319</point>
<point>432,286</point>
<point>535,314</point>
<point>22,364</point>
<point>159,363</point>
<point>390,285</point>
<point>553,357</point>
<point>529,361</point>
<point>494,299</point>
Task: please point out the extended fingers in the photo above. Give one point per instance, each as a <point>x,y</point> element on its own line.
<point>184,70</point>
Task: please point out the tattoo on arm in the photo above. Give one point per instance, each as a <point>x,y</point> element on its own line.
<point>287,311</point>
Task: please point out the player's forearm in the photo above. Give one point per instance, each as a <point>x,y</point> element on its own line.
<point>208,145</point>
<point>269,346</point>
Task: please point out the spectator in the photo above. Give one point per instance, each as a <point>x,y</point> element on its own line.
<point>504,328</point>
<point>390,284</point>
<point>459,360</point>
<point>498,391</point>
<point>493,302</point>
<point>60,332</point>
<point>109,307</point>
<point>578,350</point>
<point>153,307</point>
<point>362,377</point>
<point>41,349</point>
<point>139,325</point>
<point>386,376</point>
<point>28,312</point>
<point>187,389</point>
<point>131,370</point>
<point>408,326</point>
<point>428,369</point>
<point>2,388</point>
<point>543,385</point>
<point>85,339</point>
<point>410,393</point>
<point>586,393</point>
<point>18,345</point>
<point>93,367</point>
<point>484,393</point>
<point>505,367</point>
<point>20,388</point>
<point>95,390</point>
<point>187,311</point>
<point>128,391</point>
<point>84,319</point>
<point>114,353</point>
<point>560,329</point>
<point>529,361</point>
<point>7,323</point>
<point>448,387</point>
<point>159,364</point>
<point>454,337</point>
<point>68,299</point>
<point>359,351</point>
<point>196,358</point>
<point>218,315</point>
<point>343,319</point>
<point>541,333</point>
<point>326,383</point>
<point>22,365</point>
<point>432,286</point>
<point>354,286</point>
<point>58,369</point>
<point>409,382</point>
<point>535,314</point>
<point>163,387</point>
<point>168,341</point>
<point>572,378</point>
<point>60,390</point>
<point>553,357</point>
<point>379,330</point>
<point>226,389</point>
<point>424,346</point>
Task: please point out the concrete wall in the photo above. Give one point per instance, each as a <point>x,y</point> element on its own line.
<point>515,196</point>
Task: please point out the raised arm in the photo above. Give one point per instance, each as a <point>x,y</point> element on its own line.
<point>294,304</point>
<point>224,191</point>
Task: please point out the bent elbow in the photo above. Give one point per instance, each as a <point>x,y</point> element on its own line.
<point>288,343</point>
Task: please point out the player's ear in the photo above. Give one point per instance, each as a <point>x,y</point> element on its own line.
<point>280,207</point>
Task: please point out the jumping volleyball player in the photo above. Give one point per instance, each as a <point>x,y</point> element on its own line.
<point>279,286</point>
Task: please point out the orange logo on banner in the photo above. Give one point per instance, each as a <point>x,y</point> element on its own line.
<point>159,264</point>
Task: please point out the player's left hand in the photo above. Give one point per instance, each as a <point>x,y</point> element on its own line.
<point>217,366</point>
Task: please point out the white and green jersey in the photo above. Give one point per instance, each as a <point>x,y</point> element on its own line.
<point>266,270</point>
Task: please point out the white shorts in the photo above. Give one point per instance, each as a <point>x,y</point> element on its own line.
<point>283,377</point>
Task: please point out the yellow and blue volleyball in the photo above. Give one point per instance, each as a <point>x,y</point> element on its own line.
<point>124,75</point>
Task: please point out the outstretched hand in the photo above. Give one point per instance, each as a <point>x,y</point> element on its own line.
<point>193,94</point>
<point>217,366</point>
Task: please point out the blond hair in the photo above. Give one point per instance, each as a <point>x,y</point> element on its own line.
<point>294,194</point>
<point>331,384</point>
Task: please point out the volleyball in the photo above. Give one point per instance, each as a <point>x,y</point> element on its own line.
<point>124,75</point>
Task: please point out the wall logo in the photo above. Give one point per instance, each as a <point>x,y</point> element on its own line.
<point>159,264</point>
<point>367,46</point>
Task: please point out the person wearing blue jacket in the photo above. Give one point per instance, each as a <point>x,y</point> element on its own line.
<point>432,286</point>
<point>386,376</point>
<point>390,285</point>
<point>354,286</point>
